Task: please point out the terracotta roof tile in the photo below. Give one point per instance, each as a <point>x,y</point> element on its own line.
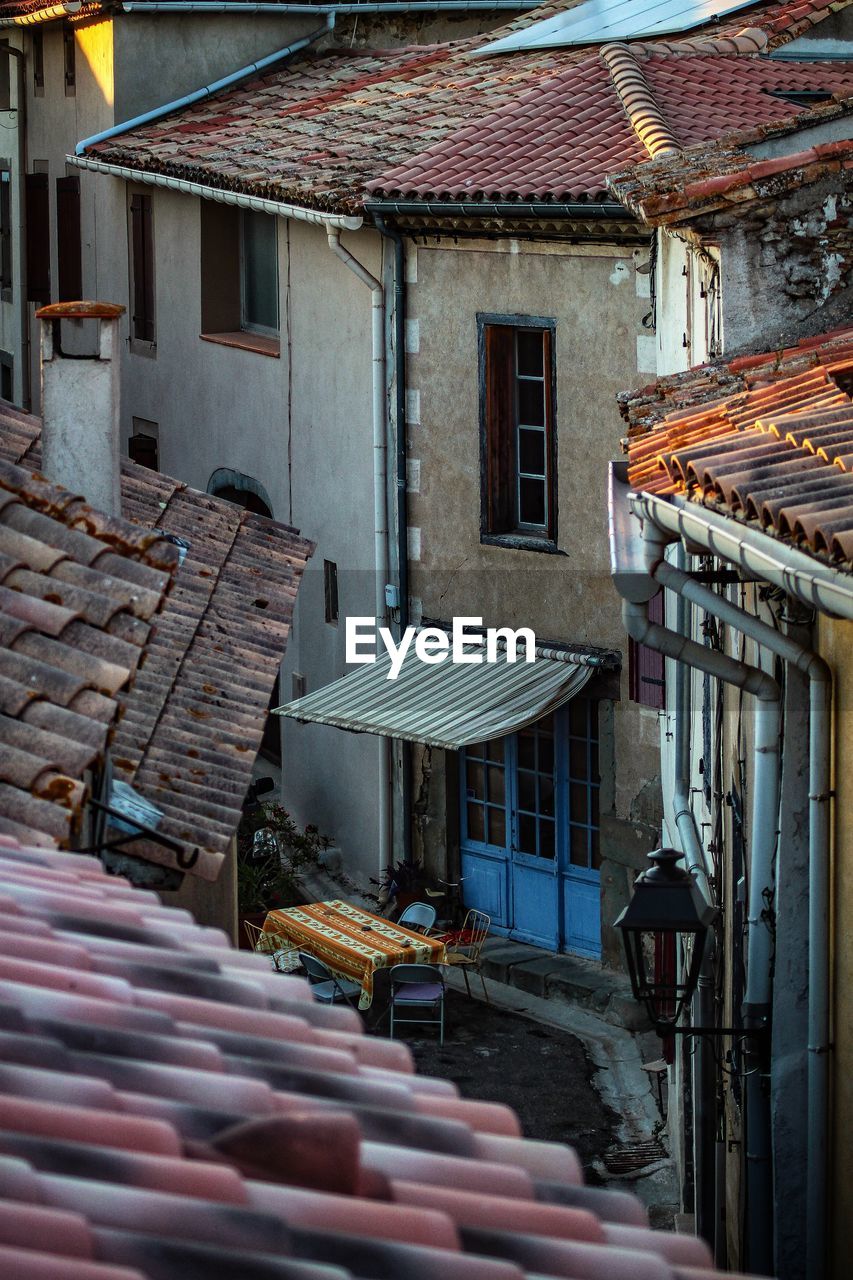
<point>778,451</point>
<point>708,177</point>
<point>446,122</point>
<point>59,672</point>
<point>186,692</point>
<point>158,1133</point>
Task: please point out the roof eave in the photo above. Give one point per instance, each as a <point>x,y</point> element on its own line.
<point>242,199</point>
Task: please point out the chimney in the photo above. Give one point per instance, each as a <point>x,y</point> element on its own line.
<point>80,403</point>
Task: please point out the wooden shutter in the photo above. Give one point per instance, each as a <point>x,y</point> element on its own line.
<point>5,229</point>
<point>142,247</point>
<point>550,441</point>
<point>646,667</point>
<point>68,239</point>
<point>38,237</point>
<point>499,394</point>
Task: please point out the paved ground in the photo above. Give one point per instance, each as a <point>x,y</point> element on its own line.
<point>570,1075</point>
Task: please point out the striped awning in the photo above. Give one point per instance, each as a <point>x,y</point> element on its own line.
<point>446,705</point>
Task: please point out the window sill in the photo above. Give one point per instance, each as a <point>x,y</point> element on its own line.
<point>257,342</point>
<point>139,347</point>
<point>521,542</point>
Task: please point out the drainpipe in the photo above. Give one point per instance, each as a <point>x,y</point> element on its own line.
<point>380,526</point>
<point>820,716</point>
<point>208,90</point>
<point>402,503</point>
<point>765,808</point>
<point>703,1011</point>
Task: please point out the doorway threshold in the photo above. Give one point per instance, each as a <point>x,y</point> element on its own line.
<point>567,979</point>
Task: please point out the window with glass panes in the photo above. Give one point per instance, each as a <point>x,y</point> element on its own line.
<point>258,273</point>
<point>518,440</point>
<point>537,790</point>
<point>583,784</point>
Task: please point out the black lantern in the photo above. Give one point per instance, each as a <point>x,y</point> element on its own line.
<point>666,908</point>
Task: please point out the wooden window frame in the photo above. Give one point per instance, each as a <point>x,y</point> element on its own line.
<point>499,426</point>
<point>647,667</point>
<point>143,296</point>
<point>222,289</point>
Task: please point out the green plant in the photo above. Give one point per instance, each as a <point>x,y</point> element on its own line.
<point>268,867</point>
<point>403,877</point>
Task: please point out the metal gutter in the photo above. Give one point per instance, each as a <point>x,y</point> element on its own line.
<point>407,6</point>
<point>820,586</point>
<point>543,209</point>
<point>340,221</point>
<point>66,10</point>
<point>208,90</point>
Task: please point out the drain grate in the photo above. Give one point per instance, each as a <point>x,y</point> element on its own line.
<point>633,1156</point>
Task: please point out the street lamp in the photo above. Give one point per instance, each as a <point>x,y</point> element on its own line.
<point>666,906</point>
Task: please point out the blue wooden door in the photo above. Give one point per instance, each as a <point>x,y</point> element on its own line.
<point>580,874</point>
<point>529,831</point>
<point>534,844</point>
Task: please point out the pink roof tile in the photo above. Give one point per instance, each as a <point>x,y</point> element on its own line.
<point>117,1162</point>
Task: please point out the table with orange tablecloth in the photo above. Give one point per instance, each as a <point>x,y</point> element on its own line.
<point>353,942</point>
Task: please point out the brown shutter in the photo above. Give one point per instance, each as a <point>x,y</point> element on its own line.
<point>69,248</point>
<point>646,667</point>
<point>143,267</point>
<point>38,237</point>
<point>500,414</point>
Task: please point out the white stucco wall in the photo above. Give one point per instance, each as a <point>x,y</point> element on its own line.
<point>300,425</point>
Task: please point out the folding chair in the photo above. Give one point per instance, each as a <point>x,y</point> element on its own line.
<point>282,954</point>
<point>416,986</point>
<point>464,949</point>
<point>325,985</point>
<point>419,916</point>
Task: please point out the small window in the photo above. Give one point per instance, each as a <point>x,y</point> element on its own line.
<point>69,52</point>
<point>330,590</point>
<point>258,273</point>
<point>38,61</point>
<point>6,233</point>
<point>144,445</point>
<point>239,278</point>
<point>142,327</point>
<point>68,239</point>
<point>647,667</point>
<point>518,438</point>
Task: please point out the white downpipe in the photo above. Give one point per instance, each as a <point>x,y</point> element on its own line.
<point>820,722</point>
<point>380,521</point>
<point>207,90</point>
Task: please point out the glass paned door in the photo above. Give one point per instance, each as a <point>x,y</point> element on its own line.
<point>529,819</point>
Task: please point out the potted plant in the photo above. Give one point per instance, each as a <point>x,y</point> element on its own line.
<point>401,884</point>
<point>271,851</point>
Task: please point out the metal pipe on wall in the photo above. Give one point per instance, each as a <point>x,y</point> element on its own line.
<point>380,521</point>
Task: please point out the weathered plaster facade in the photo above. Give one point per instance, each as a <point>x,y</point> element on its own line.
<point>597,300</point>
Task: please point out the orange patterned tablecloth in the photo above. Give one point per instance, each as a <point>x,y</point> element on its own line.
<point>354,943</point>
